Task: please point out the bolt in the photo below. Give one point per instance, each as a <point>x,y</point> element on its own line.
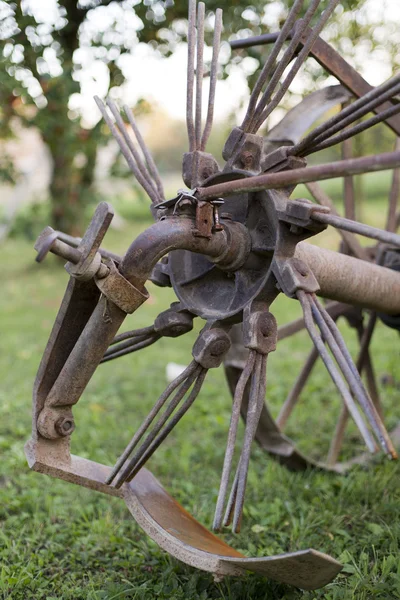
<point>64,426</point>
<point>219,347</point>
<point>247,159</point>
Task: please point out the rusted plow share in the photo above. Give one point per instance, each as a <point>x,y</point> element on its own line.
<point>229,245</point>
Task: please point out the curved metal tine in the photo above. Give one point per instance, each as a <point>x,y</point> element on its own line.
<point>133,333</point>
<point>362,359</point>
<point>199,71</point>
<point>322,198</point>
<point>126,152</point>
<point>136,155</point>
<point>352,131</point>
<point>151,165</point>
<point>299,29</point>
<point>185,386</point>
<point>391,224</point>
<point>171,424</point>
<point>333,371</point>
<point>269,65</point>
<point>213,78</point>
<point>351,113</point>
<point>349,370</point>
<point>294,394</point>
<point>230,444</point>
<point>128,347</point>
<point>191,41</point>
<point>253,417</point>
<point>303,54</point>
<point>188,372</point>
<point>254,387</point>
<point>335,309</point>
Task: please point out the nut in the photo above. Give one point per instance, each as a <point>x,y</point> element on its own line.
<point>211,347</point>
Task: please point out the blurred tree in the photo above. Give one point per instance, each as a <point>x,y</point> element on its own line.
<point>52,51</point>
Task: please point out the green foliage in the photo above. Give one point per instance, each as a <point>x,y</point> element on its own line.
<point>31,220</point>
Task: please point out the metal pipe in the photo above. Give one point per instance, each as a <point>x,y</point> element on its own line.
<point>355,227</point>
<point>177,233</point>
<point>353,281</point>
<point>340,168</point>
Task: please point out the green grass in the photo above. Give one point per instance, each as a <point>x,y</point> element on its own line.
<point>59,541</point>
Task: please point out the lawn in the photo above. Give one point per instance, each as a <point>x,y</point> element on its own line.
<point>59,541</point>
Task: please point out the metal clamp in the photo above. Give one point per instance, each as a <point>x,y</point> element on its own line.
<point>299,214</point>
<point>260,331</point>
<point>118,290</point>
<point>292,274</point>
<point>211,347</point>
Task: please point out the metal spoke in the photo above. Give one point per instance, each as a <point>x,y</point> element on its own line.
<point>140,453</point>
<point>213,78</point>
<point>322,198</point>
<point>354,166</point>
<point>394,196</point>
<point>348,182</point>
<point>128,347</point>
<point>303,54</point>
<point>362,360</point>
<point>349,370</point>
<point>191,40</point>
<point>150,418</point>
<point>171,424</point>
<point>333,371</point>
<point>297,388</point>
<point>230,444</point>
<point>267,69</point>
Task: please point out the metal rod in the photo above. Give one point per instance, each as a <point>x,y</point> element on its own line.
<point>134,333</point>
<point>334,308</point>
<point>230,444</point>
<point>352,131</point>
<point>213,78</point>
<point>337,440</point>
<point>349,238</point>
<point>349,192</point>
<point>333,371</point>
<point>75,241</point>
<point>191,41</point>
<point>303,54</point>
<point>199,71</point>
<point>266,71</point>
<point>139,161</point>
<point>297,388</point>
<point>174,421</point>
<point>128,347</point>
<point>252,419</point>
<point>146,152</point>
<point>352,375</point>
<point>256,40</point>
<point>350,113</point>
<point>150,418</point>
<point>140,453</point>
<point>355,227</point>
<point>126,152</point>
<point>354,166</point>
<point>394,196</point>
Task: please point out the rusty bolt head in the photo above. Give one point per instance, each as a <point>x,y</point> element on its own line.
<point>247,159</point>
<point>171,323</point>
<point>64,426</point>
<point>210,347</point>
<point>260,332</point>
